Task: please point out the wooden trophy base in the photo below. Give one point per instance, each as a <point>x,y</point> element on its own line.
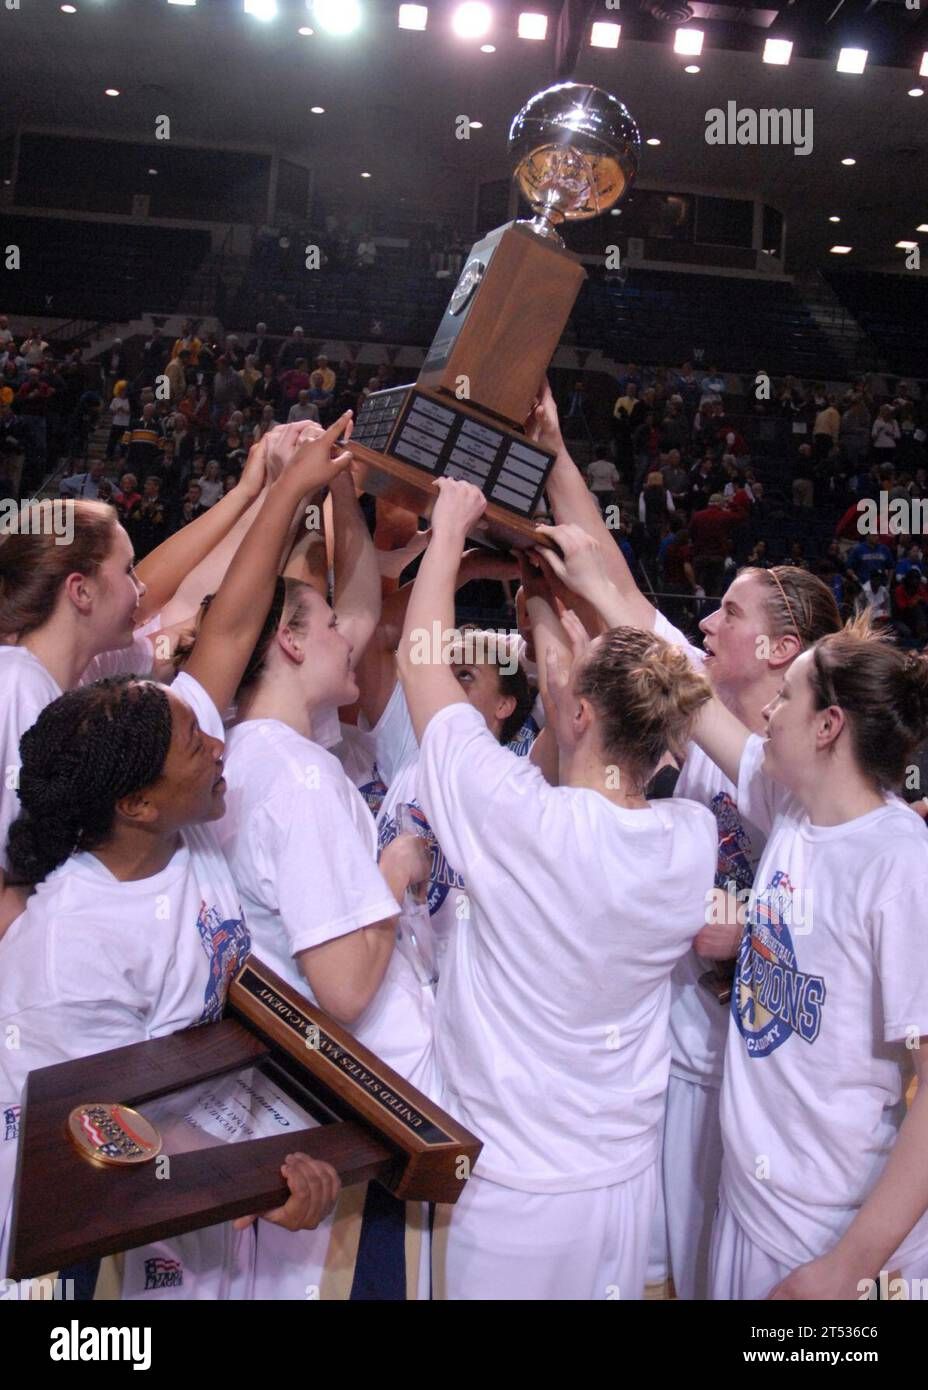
<point>406,437</point>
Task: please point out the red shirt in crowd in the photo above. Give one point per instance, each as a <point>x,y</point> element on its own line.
<point>711,529</point>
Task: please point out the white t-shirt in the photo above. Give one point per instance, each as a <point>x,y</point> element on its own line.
<point>302,846</point>
<point>832,978</point>
<point>25,689</point>
<point>551,1033</point>
<point>698,1023</point>
<point>603,475</point>
<point>357,753</point>
<point>94,963</point>
<point>394,737</point>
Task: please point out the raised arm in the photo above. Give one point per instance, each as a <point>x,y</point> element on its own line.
<point>235,616</point>
<point>572,501</point>
<point>357,599</point>
<point>165,569</point>
<point>427,679</point>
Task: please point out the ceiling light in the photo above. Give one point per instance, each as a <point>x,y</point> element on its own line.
<point>692,67</point>
<point>922,227</point>
<point>365,176</point>
<point>605,35</point>
<point>906,245</point>
<point>182,2</point>
<point>337,16</point>
<point>778,51</point>
<point>471,20</point>
<point>852,60</point>
<point>834,218</point>
<point>261,9</point>
<point>317,110</point>
<point>68,9</point>
<point>488,48</point>
<point>923,70</point>
<point>112,92</point>
<point>305,31</point>
<point>916,91</point>
<point>532,26</point>
<point>413,17</point>
<point>153,171</point>
<point>476,125</point>
<point>841,250</point>
<point>688,41</point>
<point>653,141</point>
<point>849,161</point>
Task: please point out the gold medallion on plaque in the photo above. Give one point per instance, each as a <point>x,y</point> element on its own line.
<point>112,1134</point>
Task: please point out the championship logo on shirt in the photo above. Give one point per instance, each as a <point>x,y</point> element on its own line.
<point>226,944</point>
<point>772,997</point>
<point>441,875</point>
<point>163,1274</point>
<point>11,1121</point>
<point>521,745</point>
<point>734,864</point>
<point>374,791</point>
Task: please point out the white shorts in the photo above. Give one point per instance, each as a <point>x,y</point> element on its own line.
<point>499,1243</point>
<point>739,1269</point>
<point>691,1171</point>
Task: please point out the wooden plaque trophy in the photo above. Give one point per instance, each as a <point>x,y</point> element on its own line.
<point>97,1133</point>
<point>575,150</point>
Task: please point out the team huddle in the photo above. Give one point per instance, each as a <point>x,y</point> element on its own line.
<point>246,744</point>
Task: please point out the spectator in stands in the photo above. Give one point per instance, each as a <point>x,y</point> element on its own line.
<point>234,352</point>
<point>646,442</point>
<point>627,414</point>
<point>184,439</point>
<point>885,434</point>
<point>227,390</point>
<point>6,337</point>
<point>119,421</point>
<point>913,559</point>
<point>868,556</point>
<point>366,253</point>
<point>303,409</point>
<point>757,558</point>
<point>676,479</point>
<point>147,523</point>
<point>146,440</point>
<point>328,376</point>
<point>188,339</point>
<point>294,381</point>
<point>675,430</point>
<point>83,485</point>
<point>874,596</point>
<point>910,608</point>
<point>677,576</point>
<point>176,373</point>
<point>33,399</point>
<point>712,387</point>
<point>826,429</point>
<point>655,507</point>
<point>797,555</point>
<point>705,479</point>
<point>127,495</point>
<point>261,348</point>
<point>291,351</point>
<point>319,397</point>
<point>154,357</point>
<point>33,348</point>
<point>267,422</point>
<point>711,530</point>
<point>250,375</point>
<point>804,477</point>
<point>211,484</point>
<point>193,504</point>
<point>373,386</point>
<point>114,366</point>
<point>268,391</point>
<point>602,479</point>
<point>195,406</point>
<point>688,387</point>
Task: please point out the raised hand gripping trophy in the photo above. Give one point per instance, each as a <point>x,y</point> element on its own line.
<point>575,149</point>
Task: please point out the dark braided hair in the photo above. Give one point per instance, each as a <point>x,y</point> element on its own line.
<point>85,751</point>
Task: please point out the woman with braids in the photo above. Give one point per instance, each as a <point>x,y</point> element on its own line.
<point>70,612</point>
<point>766,619</point>
<point>135,929</point>
<point>551,1018</point>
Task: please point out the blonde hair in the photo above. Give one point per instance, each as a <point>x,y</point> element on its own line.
<point>798,602</point>
<point>646,696</point>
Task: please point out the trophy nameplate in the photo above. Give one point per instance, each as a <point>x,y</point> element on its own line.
<point>359,1116</point>
<point>575,150</point>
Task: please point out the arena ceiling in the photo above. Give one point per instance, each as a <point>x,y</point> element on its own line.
<point>392,96</point>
